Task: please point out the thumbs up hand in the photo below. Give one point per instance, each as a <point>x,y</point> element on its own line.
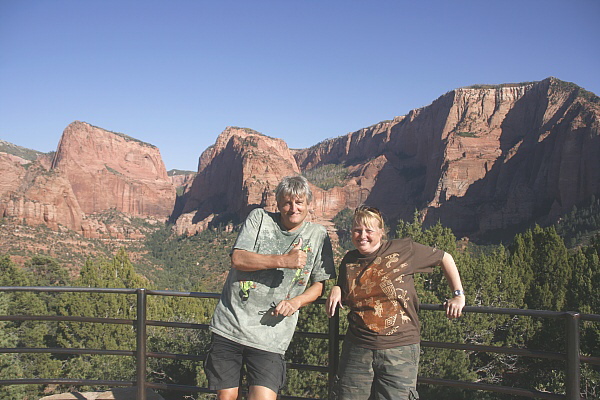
<point>296,257</point>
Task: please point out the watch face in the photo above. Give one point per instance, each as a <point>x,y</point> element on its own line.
<point>458,292</point>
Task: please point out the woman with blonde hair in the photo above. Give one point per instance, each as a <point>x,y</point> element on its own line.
<point>380,354</point>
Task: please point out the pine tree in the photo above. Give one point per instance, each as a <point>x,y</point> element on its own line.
<point>543,255</point>
<point>115,273</point>
<point>583,297</point>
<point>29,334</point>
<point>46,271</point>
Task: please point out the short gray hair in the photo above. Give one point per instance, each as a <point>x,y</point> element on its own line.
<point>296,186</point>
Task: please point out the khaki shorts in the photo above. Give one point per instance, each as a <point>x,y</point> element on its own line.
<point>378,374</point>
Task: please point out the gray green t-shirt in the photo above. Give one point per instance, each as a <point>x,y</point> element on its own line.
<point>243,313</point>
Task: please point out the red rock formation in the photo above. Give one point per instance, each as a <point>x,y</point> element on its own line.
<point>36,196</point>
<point>477,159</point>
<point>236,174</point>
<point>481,159</point>
<point>94,172</point>
<point>12,173</point>
<point>181,179</point>
<point>113,171</point>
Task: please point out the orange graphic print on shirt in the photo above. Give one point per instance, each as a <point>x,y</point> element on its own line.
<point>376,294</point>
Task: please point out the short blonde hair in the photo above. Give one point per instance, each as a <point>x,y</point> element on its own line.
<point>369,216</point>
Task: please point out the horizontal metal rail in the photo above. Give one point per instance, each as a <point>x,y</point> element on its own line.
<point>77,382</point>
<point>67,318</point>
<point>491,388</point>
<point>572,357</point>
<point>495,349</point>
<point>502,311</point>
<point>54,350</point>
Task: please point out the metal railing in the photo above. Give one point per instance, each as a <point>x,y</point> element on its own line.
<point>571,357</point>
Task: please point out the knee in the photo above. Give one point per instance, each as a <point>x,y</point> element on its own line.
<point>227,394</point>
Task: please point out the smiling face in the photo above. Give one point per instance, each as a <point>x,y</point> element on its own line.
<point>294,210</point>
<point>366,236</point>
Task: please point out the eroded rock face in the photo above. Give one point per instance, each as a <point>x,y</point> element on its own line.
<point>94,172</point>
<point>113,171</point>
<point>531,155</point>
<point>181,180</point>
<point>37,196</point>
<point>476,159</point>
<point>238,173</point>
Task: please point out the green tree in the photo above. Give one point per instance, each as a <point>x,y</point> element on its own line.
<point>178,340</point>
<point>115,273</point>
<point>551,271</point>
<point>46,271</point>
<point>29,334</point>
<point>583,297</point>
<point>542,255</point>
<point>343,226</point>
<point>10,365</point>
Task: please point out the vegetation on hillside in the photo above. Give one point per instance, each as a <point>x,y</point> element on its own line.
<point>198,262</point>
<point>581,224</point>
<point>499,86</point>
<point>327,176</point>
<point>557,83</point>
<point>536,271</point>
<point>175,172</point>
<point>581,92</point>
<point>23,152</point>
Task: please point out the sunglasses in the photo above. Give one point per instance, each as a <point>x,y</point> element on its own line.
<point>363,208</point>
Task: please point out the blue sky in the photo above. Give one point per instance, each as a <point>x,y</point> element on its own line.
<point>176,73</point>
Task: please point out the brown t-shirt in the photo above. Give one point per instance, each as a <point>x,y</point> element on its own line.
<point>379,289</point>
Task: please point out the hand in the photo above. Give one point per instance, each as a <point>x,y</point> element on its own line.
<point>333,300</point>
<point>296,258</point>
<point>286,307</point>
<point>454,306</point>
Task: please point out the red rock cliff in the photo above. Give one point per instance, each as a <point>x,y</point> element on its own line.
<point>480,159</point>
<point>477,159</point>
<point>236,174</point>
<point>113,171</point>
<point>94,173</point>
<point>33,195</point>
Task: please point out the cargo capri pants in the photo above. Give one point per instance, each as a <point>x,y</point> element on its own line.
<point>377,374</point>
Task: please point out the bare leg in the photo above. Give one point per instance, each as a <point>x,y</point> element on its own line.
<point>227,394</point>
<point>261,393</point>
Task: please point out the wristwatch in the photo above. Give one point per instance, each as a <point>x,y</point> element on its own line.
<point>458,293</point>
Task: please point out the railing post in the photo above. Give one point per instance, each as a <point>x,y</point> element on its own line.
<point>140,348</point>
<point>573,390</point>
<point>334,350</point>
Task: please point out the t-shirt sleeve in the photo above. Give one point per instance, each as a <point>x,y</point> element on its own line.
<point>341,281</point>
<point>425,257</point>
<point>248,235</point>
<point>323,267</point>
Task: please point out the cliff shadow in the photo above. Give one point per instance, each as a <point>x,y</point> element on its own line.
<point>521,186</point>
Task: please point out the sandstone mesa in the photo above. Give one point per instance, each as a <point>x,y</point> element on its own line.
<point>478,159</point>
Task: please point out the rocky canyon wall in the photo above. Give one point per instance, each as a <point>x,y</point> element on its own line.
<point>478,159</point>
<point>93,171</point>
